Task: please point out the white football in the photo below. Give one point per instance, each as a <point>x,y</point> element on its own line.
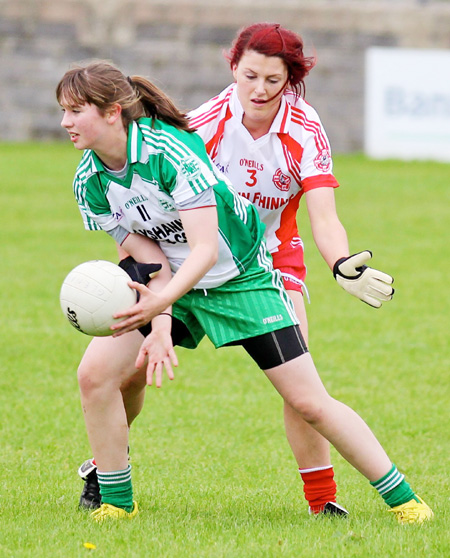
<point>92,293</point>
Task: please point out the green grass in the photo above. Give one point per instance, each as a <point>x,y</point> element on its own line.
<point>212,470</point>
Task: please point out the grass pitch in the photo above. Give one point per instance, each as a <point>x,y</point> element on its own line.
<point>212,470</point>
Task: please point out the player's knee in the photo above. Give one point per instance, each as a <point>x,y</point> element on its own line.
<point>84,379</point>
<point>90,378</point>
<point>310,410</point>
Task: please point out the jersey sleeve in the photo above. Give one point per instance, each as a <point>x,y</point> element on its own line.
<point>210,117</point>
<point>319,181</point>
<point>94,208</point>
<point>188,171</point>
<point>194,177</point>
<point>205,199</point>
<point>203,120</point>
<point>316,161</point>
<point>317,164</point>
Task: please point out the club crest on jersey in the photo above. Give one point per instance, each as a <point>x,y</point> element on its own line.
<point>322,161</point>
<point>190,167</point>
<point>166,204</point>
<point>281,181</point>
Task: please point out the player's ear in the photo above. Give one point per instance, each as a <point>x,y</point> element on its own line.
<point>114,112</point>
<point>234,70</point>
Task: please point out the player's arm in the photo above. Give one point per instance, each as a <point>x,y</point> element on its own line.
<point>328,232</point>
<point>202,233</point>
<point>143,250</point>
<point>160,353</point>
<point>146,266</point>
<point>351,272</point>
<point>201,229</point>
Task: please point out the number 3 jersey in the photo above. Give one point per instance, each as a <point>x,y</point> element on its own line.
<point>273,171</point>
<point>167,169</point>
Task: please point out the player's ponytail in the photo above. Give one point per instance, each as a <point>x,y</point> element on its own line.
<point>100,83</point>
<point>157,104</point>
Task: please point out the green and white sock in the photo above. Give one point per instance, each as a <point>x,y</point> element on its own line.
<point>116,488</point>
<point>394,489</point>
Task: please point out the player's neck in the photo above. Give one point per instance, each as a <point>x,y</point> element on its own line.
<point>257,128</point>
<point>114,154</point>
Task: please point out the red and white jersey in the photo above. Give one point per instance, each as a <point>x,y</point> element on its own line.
<point>273,171</point>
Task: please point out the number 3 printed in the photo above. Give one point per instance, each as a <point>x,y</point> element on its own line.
<point>253,180</point>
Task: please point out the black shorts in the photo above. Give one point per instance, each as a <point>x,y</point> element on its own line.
<point>267,350</point>
<point>275,348</point>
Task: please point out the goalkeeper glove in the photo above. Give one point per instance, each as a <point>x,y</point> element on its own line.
<point>369,285</point>
<point>139,272</point>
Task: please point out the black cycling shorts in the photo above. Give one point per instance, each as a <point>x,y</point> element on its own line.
<point>267,350</point>
<point>277,347</point>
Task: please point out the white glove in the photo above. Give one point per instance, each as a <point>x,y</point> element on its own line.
<point>369,285</point>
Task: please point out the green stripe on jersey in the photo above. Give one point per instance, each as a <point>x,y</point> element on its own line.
<point>179,148</point>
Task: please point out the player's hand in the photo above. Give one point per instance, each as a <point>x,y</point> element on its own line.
<point>139,272</point>
<point>369,285</point>
<point>149,305</point>
<point>158,349</point>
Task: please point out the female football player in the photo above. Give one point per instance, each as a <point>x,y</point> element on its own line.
<point>146,180</point>
<point>271,145</point>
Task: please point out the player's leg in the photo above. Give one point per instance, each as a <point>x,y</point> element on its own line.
<point>107,364</point>
<point>311,450</point>
<point>111,386</point>
<point>133,394</point>
<point>108,367</point>
<point>299,384</point>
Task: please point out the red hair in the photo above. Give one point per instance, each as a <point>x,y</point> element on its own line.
<point>271,39</point>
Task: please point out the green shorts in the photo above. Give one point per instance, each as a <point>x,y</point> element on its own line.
<point>252,304</point>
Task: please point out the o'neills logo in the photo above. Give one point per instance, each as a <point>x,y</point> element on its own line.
<point>272,319</point>
<point>281,181</point>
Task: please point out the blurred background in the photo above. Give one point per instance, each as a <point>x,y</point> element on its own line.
<point>179,45</point>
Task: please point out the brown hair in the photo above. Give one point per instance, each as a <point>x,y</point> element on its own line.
<point>101,84</point>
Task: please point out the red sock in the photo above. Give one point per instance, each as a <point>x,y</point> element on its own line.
<point>319,487</point>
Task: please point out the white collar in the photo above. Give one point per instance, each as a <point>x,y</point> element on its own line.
<point>281,121</point>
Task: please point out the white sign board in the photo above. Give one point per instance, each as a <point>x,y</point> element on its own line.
<point>407,104</point>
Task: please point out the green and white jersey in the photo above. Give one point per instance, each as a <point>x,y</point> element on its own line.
<point>168,167</point>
